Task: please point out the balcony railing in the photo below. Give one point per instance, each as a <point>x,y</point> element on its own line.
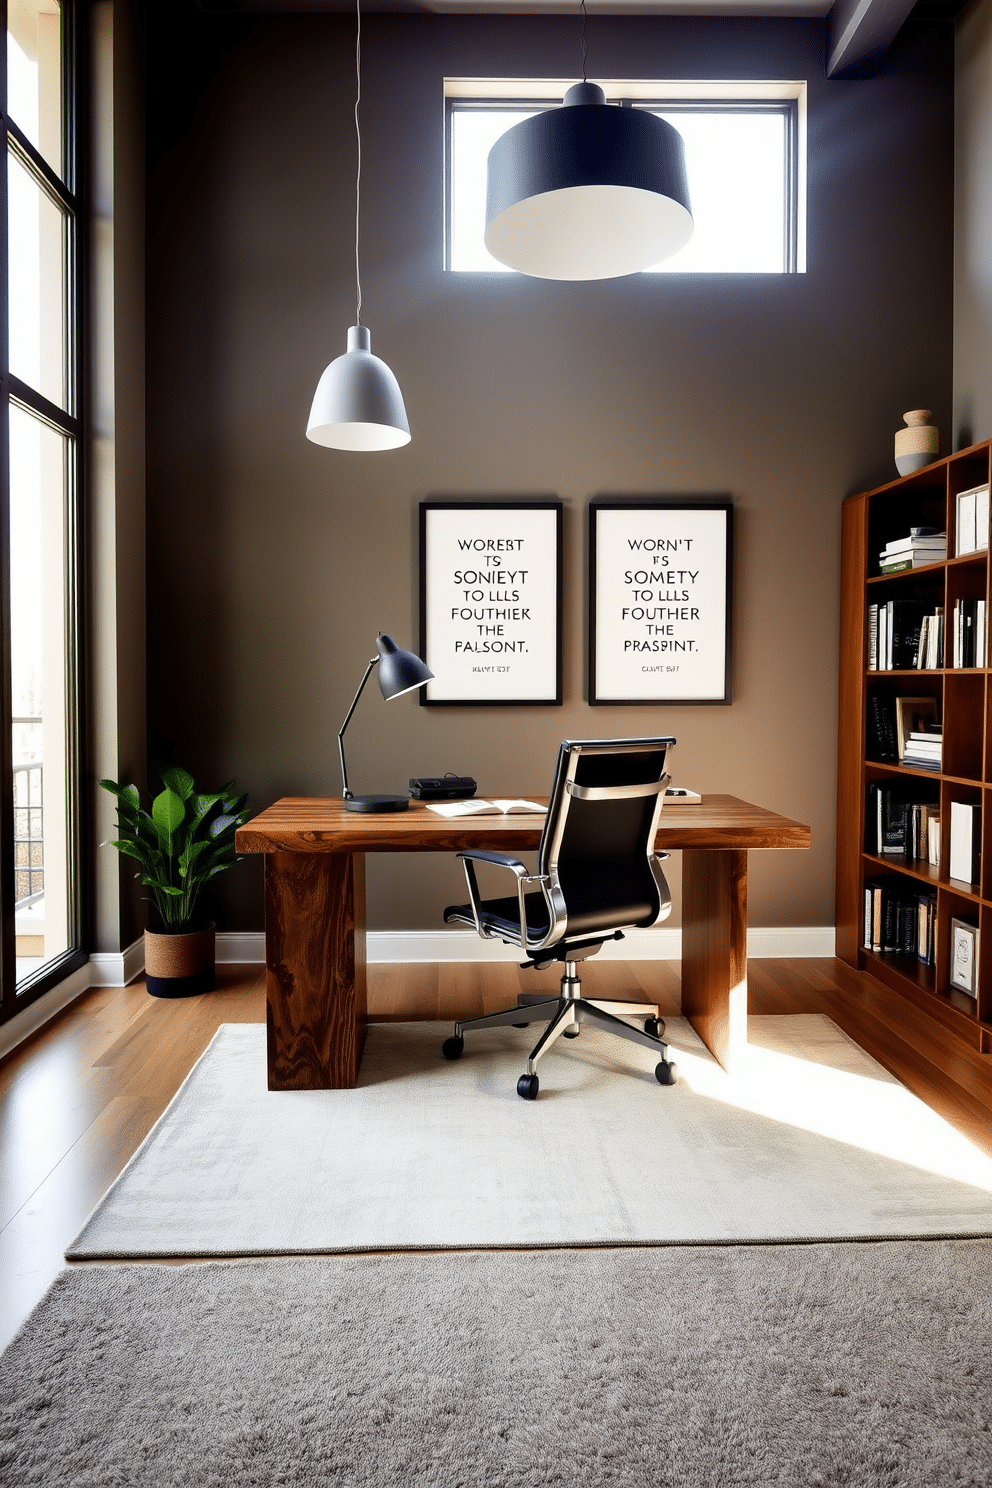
<point>29,833</point>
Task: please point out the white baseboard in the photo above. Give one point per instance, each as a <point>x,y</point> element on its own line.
<point>464,945</point>
<point>244,947</point>
<point>117,969</point>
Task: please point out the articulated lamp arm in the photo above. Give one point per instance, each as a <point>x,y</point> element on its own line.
<point>361,689</point>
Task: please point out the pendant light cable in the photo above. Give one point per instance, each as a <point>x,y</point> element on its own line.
<point>582,8</point>
<point>358,404</point>
<point>358,138</point>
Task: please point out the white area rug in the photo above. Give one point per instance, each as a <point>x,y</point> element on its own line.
<point>812,1141</point>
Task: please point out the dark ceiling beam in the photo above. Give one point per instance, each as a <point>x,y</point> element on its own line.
<point>859,32</point>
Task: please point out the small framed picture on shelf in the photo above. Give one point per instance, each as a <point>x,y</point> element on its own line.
<point>660,599</point>
<point>490,601</point>
<point>964,958</point>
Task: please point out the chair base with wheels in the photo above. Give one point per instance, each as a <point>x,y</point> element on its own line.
<point>565,1015</point>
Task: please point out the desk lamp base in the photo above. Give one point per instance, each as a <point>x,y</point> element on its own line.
<point>370,804</point>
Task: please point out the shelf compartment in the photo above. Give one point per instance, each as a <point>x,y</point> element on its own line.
<point>882,698</point>
<point>963,475</point>
<point>954,905</point>
<point>964,725</point>
<point>969,795</point>
<point>919,502</point>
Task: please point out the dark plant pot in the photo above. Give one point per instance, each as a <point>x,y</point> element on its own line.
<point>180,965</point>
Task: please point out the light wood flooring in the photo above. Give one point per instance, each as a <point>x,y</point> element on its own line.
<point>79,1097</point>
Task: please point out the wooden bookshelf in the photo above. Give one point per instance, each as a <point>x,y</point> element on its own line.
<point>964,704</point>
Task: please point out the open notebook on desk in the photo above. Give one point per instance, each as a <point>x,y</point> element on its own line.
<point>486,808</point>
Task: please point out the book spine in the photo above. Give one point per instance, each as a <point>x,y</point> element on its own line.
<point>871,820</point>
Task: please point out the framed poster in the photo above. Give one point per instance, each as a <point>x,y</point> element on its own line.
<point>490,601</point>
<point>660,600</point>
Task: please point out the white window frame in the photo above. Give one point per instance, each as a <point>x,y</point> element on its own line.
<point>673,94</point>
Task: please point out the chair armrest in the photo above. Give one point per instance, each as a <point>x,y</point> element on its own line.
<point>502,860</point>
<point>470,857</point>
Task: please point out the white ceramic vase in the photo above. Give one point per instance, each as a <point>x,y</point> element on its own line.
<point>918,444</point>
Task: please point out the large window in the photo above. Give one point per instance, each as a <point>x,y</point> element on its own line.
<point>744,160</point>
<point>39,478</point>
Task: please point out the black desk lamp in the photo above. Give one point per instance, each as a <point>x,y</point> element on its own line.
<point>399,671</point>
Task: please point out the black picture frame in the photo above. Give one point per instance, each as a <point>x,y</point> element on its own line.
<point>460,680</point>
<point>686,655</point>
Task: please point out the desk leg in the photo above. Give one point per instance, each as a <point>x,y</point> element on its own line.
<point>714,949</point>
<point>315,969</point>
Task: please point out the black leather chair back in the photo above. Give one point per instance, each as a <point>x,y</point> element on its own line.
<point>597,849</point>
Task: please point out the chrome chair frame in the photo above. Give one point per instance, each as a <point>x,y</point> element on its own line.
<point>566,1013</point>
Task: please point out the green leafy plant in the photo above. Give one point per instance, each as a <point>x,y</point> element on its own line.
<point>184,842</point>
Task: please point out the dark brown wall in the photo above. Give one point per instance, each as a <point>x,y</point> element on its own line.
<point>273,562</point>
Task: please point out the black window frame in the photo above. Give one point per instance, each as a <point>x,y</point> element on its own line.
<point>65,192</point>
<point>787,107</point>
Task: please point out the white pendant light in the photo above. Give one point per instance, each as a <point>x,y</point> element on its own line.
<point>358,404</point>
<point>587,191</point>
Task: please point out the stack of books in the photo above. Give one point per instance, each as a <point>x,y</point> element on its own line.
<point>897,627</point>
<point>969,647</point>
<point>905,635</point>
<point>931,649</point>
<point>972,514</point>
<point>923,747</point>
<point>899,923</point>
<point>923,545</point>
<point>896,826</point>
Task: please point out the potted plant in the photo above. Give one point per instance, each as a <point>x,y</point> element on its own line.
<point>184,842</point>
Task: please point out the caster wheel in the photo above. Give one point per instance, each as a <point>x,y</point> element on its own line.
<point>521,1025</point>
<point>666,1073</point>
<point>570,1032</point>
<point>654,1026</point>
<point>527,1087</point>
<point>452,1048</point>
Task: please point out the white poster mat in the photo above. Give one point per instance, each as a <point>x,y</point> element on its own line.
<point>490,602</point>
<point>660,600</point>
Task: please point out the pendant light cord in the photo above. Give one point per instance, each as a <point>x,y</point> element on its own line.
<point>582,8</point>
<point>358,137</point>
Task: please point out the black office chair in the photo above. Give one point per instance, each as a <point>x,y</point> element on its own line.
<point>597,876</point>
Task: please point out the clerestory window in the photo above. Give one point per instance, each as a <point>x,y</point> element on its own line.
<point>745,160</point>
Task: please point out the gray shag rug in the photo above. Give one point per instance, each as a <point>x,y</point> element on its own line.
<point>858,1365</point>
<point>811,1140</point>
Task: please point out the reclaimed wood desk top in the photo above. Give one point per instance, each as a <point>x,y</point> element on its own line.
<point>315,824</point>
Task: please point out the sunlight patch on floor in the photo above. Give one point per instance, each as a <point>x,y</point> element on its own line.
<point>875,1114</point>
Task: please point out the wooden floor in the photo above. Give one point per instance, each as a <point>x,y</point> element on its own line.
<point>79,1097</point>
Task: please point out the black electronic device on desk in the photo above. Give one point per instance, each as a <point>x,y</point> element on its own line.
<point>442,788</point>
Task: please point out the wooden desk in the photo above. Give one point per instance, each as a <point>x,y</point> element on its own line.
<point>315,916</point>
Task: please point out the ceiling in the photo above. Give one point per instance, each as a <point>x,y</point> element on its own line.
<point>858,32</point>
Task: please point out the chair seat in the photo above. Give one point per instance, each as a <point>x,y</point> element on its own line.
<point>503,915</point>
<point>586,912</point>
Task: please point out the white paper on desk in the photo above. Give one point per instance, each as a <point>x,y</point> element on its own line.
<point>485,808</point>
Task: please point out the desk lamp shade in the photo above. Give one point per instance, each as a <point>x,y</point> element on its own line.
<point>587,191</point>
<point>399,672</point>
<point>358,404</point>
